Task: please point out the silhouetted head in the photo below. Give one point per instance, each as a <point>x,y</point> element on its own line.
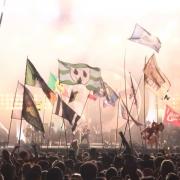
<point>8,171</point>
<point>34,173</point>
<point>112,171</point>
<point>5,155</point>
<point>55,174</point>
<point>88,171</point>
<point>60,165</point>
<point>167,166</point>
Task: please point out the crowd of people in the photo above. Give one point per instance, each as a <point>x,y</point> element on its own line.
<point>88,164</point>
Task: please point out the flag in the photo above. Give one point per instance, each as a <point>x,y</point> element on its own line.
<point>52,81</point>
<point>110,95</point>
<point>106,103</point>
<point>54,84</point>
<point>125,110</point>
<point>73,96</point>
<point>18,102</point>
<point>153,76</point>
<point>133,92</point>
<point>33,78</point>
<point>171,116</point>
<point>1,17</point>
<point>92,96</point>
<point>66,112</point>
<point>142,36</point>
<point>29,111</point>
<point>124,113</point>
<point>39,105</point>
<point>72,74</point>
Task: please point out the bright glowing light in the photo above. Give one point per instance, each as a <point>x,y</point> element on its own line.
<point>22,137</point>
<point>151,112</point>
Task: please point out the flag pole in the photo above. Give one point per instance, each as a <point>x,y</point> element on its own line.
<point>43,117</point>
<point>2,13</point>
<point>100,118</point>
<point>84,105</point>
<point>60,135</point>
<point>130,108</point>
<point>63,118</point>
<point>117,121</point>
<point>157,108</point>
<point>65,134</point>
<point>157,115</point>
<point>50,125</point>
<point>19,142</point>
<point>144,112</point>
<point>12,115</point>
<point>126,97</point>
<point>135,101</point>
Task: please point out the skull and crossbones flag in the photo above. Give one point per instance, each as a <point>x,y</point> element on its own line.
<point>80,73</point>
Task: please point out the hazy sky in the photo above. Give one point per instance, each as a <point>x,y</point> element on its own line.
<point>89,31</point>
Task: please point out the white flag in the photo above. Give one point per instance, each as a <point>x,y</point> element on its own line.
<point>142,36</point>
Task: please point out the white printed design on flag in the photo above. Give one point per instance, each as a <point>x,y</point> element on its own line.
<point>172,117</point>
<point>80,75</point>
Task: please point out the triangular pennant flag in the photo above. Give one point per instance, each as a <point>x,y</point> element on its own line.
<point>33,78</point>
<point>142,36</point>
<point>110,95</point>
<point>28,110</point>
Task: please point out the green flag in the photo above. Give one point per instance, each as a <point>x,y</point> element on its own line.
<point>33,78</point>
<point>54,84</point>
<point>72,74</point>
<point>52,81</point>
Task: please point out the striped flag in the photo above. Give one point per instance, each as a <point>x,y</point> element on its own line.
<point>66,112</point>
<point>73,74</point>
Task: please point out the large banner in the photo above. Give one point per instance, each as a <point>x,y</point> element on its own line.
<point>171,116</point>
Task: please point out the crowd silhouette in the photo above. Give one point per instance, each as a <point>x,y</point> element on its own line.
<point>89,164</point>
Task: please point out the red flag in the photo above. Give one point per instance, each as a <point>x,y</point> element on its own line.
<point>92,96</point>
<point>171,116</point>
